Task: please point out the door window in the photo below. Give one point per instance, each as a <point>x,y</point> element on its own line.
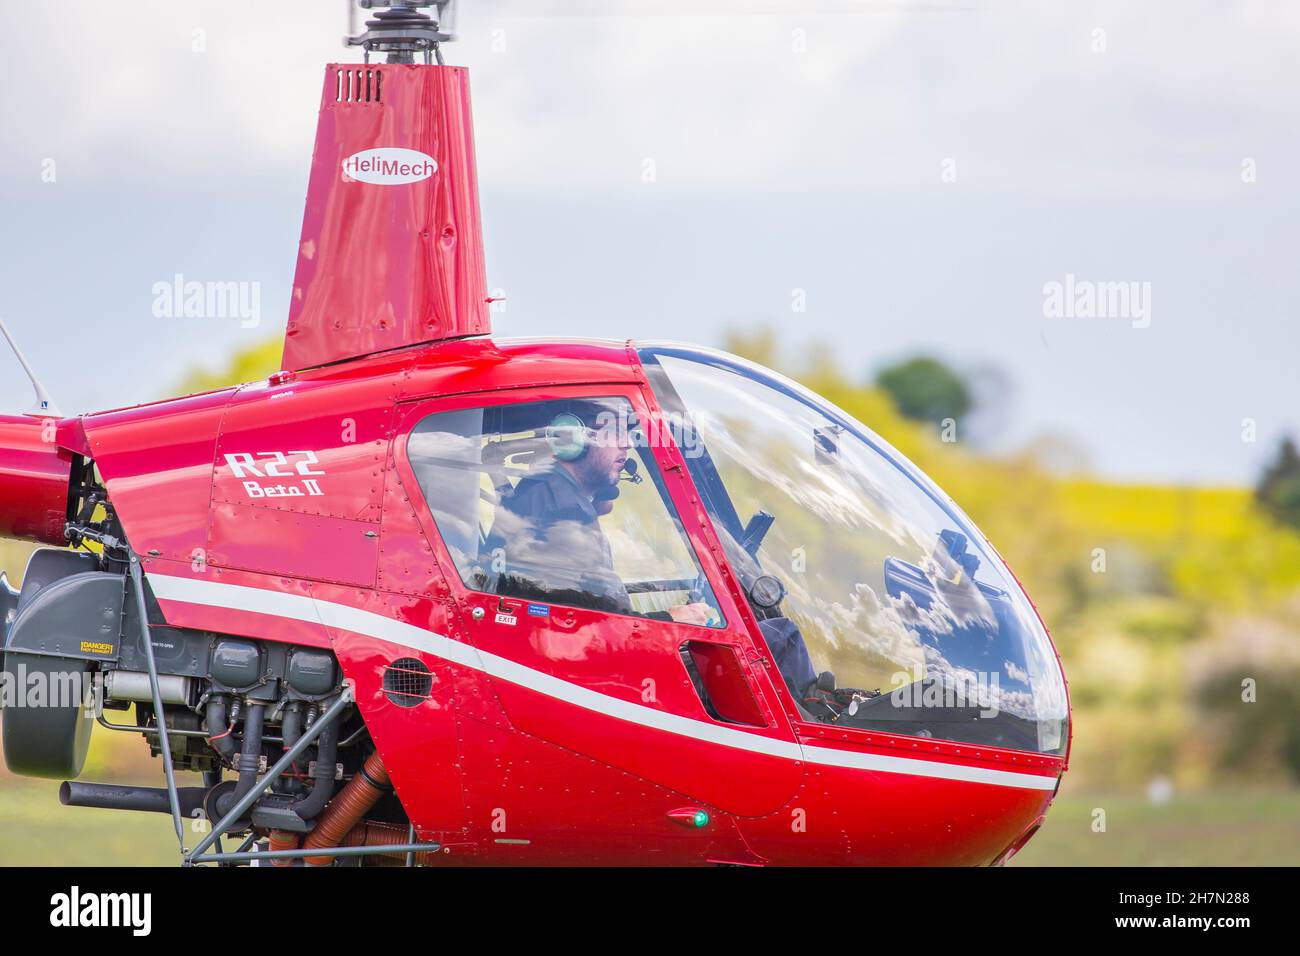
<point>560,502</point>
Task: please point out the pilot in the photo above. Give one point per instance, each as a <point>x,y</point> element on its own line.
<point>548,527</point>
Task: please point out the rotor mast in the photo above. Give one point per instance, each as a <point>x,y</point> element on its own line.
<point>403,28</point>
<point>391,251</point>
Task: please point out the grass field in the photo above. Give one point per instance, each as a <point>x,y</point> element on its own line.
<point>1227,828</point>
<point>1250,829</point>
<point>37,830</point>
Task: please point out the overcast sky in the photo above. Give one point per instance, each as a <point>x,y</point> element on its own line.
<point>921,171</point>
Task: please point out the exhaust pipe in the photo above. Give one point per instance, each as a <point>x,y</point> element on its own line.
<point>107,796</point>
<point>250,761</point>
<point>308,808</point>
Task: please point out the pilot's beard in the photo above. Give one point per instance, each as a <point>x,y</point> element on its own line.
<point>606,492</point>
<point>599,481</point>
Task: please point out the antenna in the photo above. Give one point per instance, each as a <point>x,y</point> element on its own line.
<point>403,28</point>
<point>44,404</point>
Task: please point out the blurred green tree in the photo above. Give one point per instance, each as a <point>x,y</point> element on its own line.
<point>1278,491</point>
<point>1256,735</point>
<point>247,365</point>
<point>925,389</point>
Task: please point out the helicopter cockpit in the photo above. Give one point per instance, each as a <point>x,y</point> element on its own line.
<point>912,623</point>
<point>524,497</point>
<point>881,605</point>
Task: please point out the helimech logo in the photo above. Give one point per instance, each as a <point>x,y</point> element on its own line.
<point>389,166</point>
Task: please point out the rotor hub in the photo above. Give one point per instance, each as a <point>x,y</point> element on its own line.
<point>403,28</point>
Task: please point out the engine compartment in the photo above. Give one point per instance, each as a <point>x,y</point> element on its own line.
<point>284,757</point>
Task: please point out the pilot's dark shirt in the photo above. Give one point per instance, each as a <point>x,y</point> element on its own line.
<point>559,548</point>
<point>550,496</point>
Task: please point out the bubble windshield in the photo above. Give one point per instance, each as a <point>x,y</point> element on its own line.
<point>883,607</point>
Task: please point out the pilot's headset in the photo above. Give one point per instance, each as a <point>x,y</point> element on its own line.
<point>568,437</point>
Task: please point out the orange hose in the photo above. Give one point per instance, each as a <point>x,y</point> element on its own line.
<point>372,833</point>
<point>347,808</point>
<point>284,840</point>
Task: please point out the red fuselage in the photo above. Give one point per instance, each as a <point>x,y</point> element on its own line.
<point>538,742</point>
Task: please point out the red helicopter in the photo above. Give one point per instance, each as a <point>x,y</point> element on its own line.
<point>426,596</point>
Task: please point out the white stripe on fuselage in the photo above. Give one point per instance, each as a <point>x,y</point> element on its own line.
<point>301,607</point>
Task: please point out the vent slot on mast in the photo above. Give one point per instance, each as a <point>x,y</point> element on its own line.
<point>358,86</point>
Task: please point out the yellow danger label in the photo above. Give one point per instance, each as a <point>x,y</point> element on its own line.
<point>90,647</point>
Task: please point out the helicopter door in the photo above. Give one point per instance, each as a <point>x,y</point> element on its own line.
<point>600,618</point>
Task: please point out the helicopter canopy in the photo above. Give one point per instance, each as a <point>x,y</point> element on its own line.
<point>891,586</point>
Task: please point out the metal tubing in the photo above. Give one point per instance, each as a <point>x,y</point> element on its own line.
<point>105,722</point>
<point>160,716</point>
<point>250,756</point>
<point>329,851</point>
<point>281,765</point>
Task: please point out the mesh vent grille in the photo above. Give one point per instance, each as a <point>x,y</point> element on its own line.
<point>407,682</point>
<point>358,86</point>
